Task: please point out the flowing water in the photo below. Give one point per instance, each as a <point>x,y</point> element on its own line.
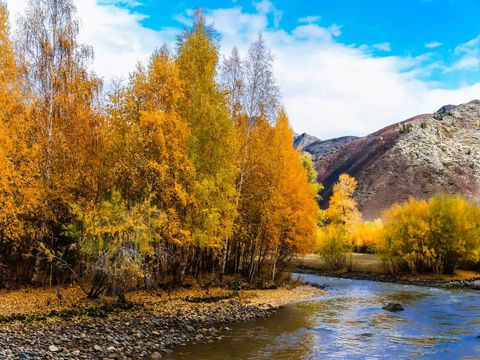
<point>349,323</point>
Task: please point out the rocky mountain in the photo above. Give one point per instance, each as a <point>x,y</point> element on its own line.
<point>420,157</point>
<point>303,140</point>
<point>327,147</point>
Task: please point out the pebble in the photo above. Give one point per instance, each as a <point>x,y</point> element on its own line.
<point>140,335</point>
<point>156,356</point>
<point>130,335</point>
<point>53,348</point>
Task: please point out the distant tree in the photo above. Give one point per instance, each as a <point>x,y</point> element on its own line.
<point>309,167</point>
<point>341,216</point>
<point>342,208</point>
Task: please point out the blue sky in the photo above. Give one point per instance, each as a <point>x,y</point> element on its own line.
<point>404,28</point>
<point>344,66</point>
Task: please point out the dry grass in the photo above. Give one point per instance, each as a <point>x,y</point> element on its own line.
<point>371,263</point>
<point>37,303</point>
<point>33,301</point>
<point>359,263</point>
<point>459,275</point>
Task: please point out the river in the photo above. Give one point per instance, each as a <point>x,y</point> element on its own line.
<point>349,323</point>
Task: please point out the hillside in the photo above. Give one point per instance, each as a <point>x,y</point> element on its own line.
<point>418,157</point>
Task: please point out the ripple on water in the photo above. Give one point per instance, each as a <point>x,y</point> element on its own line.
<point>349,322</point>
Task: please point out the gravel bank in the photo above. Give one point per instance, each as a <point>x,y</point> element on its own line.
<point>164,322</point>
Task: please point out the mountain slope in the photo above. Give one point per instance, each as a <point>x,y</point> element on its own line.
<point>419,157</point>
<point>303,140</point>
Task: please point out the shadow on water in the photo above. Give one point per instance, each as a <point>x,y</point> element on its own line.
<point>349,322</point>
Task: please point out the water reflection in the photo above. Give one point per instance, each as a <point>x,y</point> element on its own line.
<point>349,322</point>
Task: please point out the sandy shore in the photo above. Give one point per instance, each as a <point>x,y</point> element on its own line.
<point>156,324</point>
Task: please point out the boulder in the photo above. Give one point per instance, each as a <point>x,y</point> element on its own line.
<point>476,284</point>
<point>394,307</point>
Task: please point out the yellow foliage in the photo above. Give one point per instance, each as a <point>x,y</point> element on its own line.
<point>434,236</point>
<point>332,245</point>
<point>364,236</point>
<point>342,206</point>
<point>212,140</point>
<point>147,149</point>
<point>19,186</point>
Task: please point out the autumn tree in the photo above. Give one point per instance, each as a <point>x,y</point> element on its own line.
<point>180,171</point>
<point>261,94</point>
<point>365,236</point>
<point>294,209</point>
<point>342,207</point>
<point>148,155</point>
<point>18,177</point>
<point>252,90</point>
<point>115,239</point>
<point>341,217</point>
<point>212,140</point>
<point>63,95</point>
<point>277,208</point>
<point>308,165</point>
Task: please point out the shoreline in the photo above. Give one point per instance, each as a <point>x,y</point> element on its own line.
<point>162,322</point>
<point>466,284</point>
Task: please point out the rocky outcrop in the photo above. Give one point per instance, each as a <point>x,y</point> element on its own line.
<point>420,157</point>
<point>326,147</point>
<point>303,140</point>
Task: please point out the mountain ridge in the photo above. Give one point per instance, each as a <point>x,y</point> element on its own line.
<point>421,156</point>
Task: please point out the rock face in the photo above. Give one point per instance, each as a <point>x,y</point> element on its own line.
<point>323,148</point>
<point>303,140</point>
<point>420,157</point>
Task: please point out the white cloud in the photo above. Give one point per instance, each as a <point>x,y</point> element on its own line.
<point>385,46</point>
<point>329,88</point>
<point>309,19</point>
<point>127,3</point>
<point>433,45</point>
<point>116,34</point>
<point>468,54</point>
<point>265,7</point>
<point>332,89</point>
<point>312,31</point>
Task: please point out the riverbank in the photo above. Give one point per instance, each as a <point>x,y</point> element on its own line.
<point>368,267</point>
<point>63,325</point>
<point>400,279</point>
<point>427,281</point>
